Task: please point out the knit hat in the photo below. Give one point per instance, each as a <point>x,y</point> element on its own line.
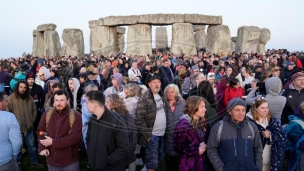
<point>30,75</point>
<point>296,75</point>
<point>24,67</point>
<point>195,68</point>
<point>235,102</point>
<point>154,77</point>
<point>210,75</point>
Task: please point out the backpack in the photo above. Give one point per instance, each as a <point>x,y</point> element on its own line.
<point>49,113</point>
<point>219,131</point>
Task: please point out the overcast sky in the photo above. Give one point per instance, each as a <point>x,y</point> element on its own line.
<point>19,18</point>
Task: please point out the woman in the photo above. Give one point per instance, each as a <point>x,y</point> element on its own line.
<point>54,75</point>
<point>124,70</point>
<point>248,77</point>
<point>131,98</point>
<point>85,113</point>
<point>198,79</point>
<point>115,104</point>
<point>220,74</point>
<point>234,90</point>
<point>205,91</point>
<point>272,135</point>
<point>189,138</point>
<point>174,107</point>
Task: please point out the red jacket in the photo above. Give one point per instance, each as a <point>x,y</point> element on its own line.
<point>64,150</point>
<point>231,93</point>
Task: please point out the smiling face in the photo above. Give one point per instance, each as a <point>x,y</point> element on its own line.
<point>238,113</point>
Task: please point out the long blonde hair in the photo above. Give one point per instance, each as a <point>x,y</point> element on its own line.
<point>256,103</point>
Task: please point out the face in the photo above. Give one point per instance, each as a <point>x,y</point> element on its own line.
<point>42,78</point>
<point>3,104</point>
<point>82,80</point>
<point>56,89</point>
<point>238,113</point>
<point>171,94</point>
<point>52,74</point>
<point>276,73</point>
<point>22,88</point>
<point>201,110</point>
<point>166,64</point>
<point>71,85</point>
<point>229,71</point>
<point>262,110</point>
<point>108,103</point>
<point>237,85</point>
<point>155,85</point>
<point>114,82</point>
<point>299,82</point>
<point>211,81</point>
<point>134,65</point>
<point>60,102</point>
<point>199,79</point>
<point>30,81</point>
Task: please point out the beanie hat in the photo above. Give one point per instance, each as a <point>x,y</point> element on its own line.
<point>296,75</point>
<point>210,76</point>
<point>30,75</point>
<point>235,102</point>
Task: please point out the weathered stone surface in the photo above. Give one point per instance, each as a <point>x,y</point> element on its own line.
<point>248,39</point>
<point>120,20</point>
<point>200,38</point>
<point>93,23</point>
<point>51,43</point>
<point>46,27</point>
<point>139,41</point>
<point>103,40</point>
<point>202,19</point>
<point>121,30</point>
<point>218,39</point>
<point>160,19</point>
<point>161,37</point>
<point>198,27</point>
<point>38,43</point>
<point>232,46</point>
<point>264,38</point>
<point>101,21</point>
<point>183,39</point>
<point>120,43</point>
<point>34,32</point>
<point>73,43</point>
<point>233,39</point>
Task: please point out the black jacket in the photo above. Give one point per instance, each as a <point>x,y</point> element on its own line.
<point>38,96</point>
<point>107,142</point>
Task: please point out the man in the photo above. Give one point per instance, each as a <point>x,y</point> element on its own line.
<point>234,143</point>
<point>107,142</point>
<point>10,139</point>
<point>151,122</point>
<point>59,134</point>
<point>84,81</point>
<point>294,95</point>
<point>134,73</point>
<point>22,105</point>
<point>21,75</point>
<point>166,73</point>
<point>117,82</point>
<point>5,78</point>
<point>45,75</point>
<point>276,71</point>
<point>189,82</point>
<point>75,93</point>
<point>49,98</point>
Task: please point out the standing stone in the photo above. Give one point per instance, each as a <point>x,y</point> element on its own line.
<point>218,39</point>
<point>233,43</point>
<point>248,39</point>
<point>198,27</point>
<point>264,38</point>
<point>161,37</point>
<point>200,38</point>
<point>51,43</point>
<point>183,39</point>
<point>103,40</point>
<point>139,40</point>
<point>73,43</point>
<point>120,42</point>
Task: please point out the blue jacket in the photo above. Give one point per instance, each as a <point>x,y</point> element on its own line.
<point>10,139</point>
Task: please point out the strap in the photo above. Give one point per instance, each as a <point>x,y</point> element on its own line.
<point>299,122</point>
<point>71,119</point>
<point>48,116</point>
<point>251,129</point>
<point>219,131</point>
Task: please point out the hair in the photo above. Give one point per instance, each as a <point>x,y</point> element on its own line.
<point>256,103</point>
<point>117,104</point>
<point>175,88</point>
<point>301,107</point>
<point>57,85</point>
<point>227,67</point>
<point>97,96</point>
<point>233,82</point>
<point>90,87</point>
<point>61,92</point>
<point>205,90</point>
<point>27,91</point>
<point>248,71</point>
<point>131,87</point>
<point>55,73</point>
<point>191,107</point>
<point>2,94</point>
<point>197,75</point>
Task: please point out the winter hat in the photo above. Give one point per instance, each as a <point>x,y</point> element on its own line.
<point>24,67</point>
<point>296,75</point>
<point>235,102</point>
<point>119,78</point>
<point>210,75</point>
<point>30,75</point>
<point>154,77</point>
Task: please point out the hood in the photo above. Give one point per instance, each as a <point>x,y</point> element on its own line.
<point>297,115</point>
<point>273,86</point>
<point>76,87</point>
<point>83,100</point>
<point>46,72</point>
<point>119,78</point>
<point>187,117</point>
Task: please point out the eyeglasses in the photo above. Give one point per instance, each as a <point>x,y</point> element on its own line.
<point>259,99</point>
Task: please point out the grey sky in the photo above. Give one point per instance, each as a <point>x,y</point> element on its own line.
<point>19,18</point>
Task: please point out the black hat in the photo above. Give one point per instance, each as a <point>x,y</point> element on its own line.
<point>153,77</point>
<point>24,67</point>
<point>83,75</point>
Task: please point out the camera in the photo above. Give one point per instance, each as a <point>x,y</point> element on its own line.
<point>260,90</point>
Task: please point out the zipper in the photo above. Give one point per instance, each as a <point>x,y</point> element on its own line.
<point>234,147</point>
<point>245,147</point>
<point>56,136</point>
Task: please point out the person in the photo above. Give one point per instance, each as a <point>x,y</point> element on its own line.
<point>248,77</point>
<point>198,79</point>
<point>189,139</point>
<point>166,73</point>
<point>234,143</point>
<point>134,73</point>
<point>151,122</point>
<point>107,141</point>
<point>21,75</point>
<point>22,105</point>
<point>295,143</point>
<point>271,132</point>
<point>75,93</point>
<point>10,139</point>
<point>59,143</point>
<point>115,104</point>
<point>117,82</point>
<point>85,113</point>
<point>174,106</point>
<point>5,78</point>
<point>45,75</point>
<point>84,81</point>
<point>54,85</point>
<point>131,98</point>
<point>294,96</point>
<point>234,90</point>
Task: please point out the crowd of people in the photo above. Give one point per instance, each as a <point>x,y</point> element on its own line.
<point>203,112</point>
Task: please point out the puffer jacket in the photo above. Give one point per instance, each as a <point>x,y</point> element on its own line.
<point>236,149</point>
<point>145,116</point>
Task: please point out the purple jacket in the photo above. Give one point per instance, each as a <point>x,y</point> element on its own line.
<point>186,142</point>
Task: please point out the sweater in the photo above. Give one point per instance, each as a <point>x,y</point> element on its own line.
<point>231,93</point>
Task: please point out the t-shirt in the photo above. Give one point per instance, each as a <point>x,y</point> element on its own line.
<point>159,126</point>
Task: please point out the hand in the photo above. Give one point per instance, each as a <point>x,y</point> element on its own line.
<point>45,152</point>
<point>48,141</point>
<point>202,150</point>
<point>253,85</point>
<point>266,134</point>
<point>149,139</point>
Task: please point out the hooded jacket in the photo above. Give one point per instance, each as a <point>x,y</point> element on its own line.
<point>112,90</point>
<point>19,76</point>
<point>75,96</point>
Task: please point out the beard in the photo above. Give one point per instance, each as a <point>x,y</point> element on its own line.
<point>23,95</point>
<point>60,108</point>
